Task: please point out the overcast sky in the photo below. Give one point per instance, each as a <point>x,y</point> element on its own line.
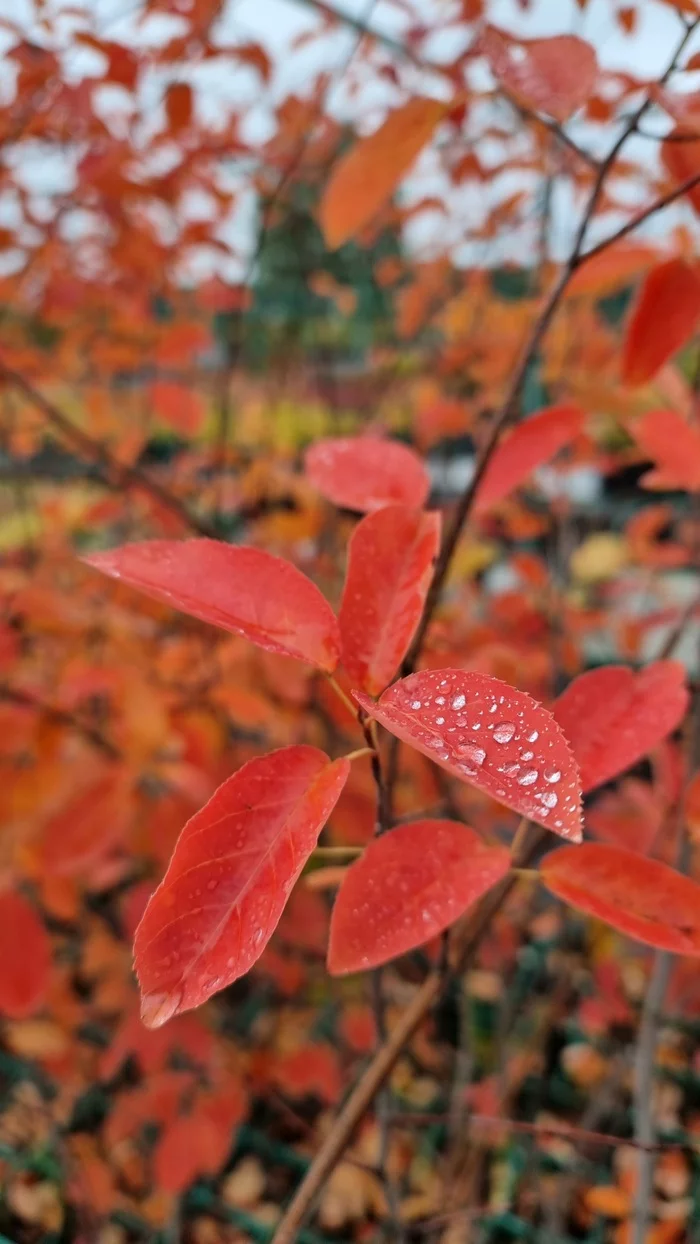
<point>277,24</point>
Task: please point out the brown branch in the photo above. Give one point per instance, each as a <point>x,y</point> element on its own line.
<point>113,474</point>
<point>657,206</point>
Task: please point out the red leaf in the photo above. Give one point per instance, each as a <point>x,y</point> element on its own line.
<point>232,869</point>
<point>312,1069</point>
<point>88,826</point>
<point>680,155</point>
<point>613,717</point>
<point>491,735</point>
<point>408,886</point>
<point>554,75</point>
<point>663,317</point>
<point>531,443</point>
<point>640,897</point>
<point>674,445</point>
<point>178,106</point>
<point>179,408</point>
<point>243,590</point>
<point>390,565</point>
<point>366,472</point>
<point>364,179</point>
<point>199,1143</point>
<point>25,957</point>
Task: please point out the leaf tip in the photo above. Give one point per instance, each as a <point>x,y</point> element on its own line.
<point>158,1008</point>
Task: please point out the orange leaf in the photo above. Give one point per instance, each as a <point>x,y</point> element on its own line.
<point>640,897</point>
<point>664,316</point>
<point>178,407</point>
<point>178,106</point>
<point>365,178</point>
<point>674,445</point>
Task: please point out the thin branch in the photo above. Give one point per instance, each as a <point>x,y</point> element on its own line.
<point>657,206</point>
<point>113,474</point>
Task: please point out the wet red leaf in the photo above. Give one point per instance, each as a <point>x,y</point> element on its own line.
<point>408,886</point>
<point>492,736</point>
<point>613,717</point>
<point>390,565</point>
<point>640,897</point>
<point>227,883</point>
<point>240,589</point>
<point>366,472</point>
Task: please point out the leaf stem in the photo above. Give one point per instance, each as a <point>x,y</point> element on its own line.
<point>352,708</point>
<point>361,751</point>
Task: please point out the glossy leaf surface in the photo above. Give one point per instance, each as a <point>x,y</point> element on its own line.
<point>239,589</point>
<point>366,472</point>
<point>663,318</point>
<point>408,886</point>
<point>531,443</point>
<point>25,957</point>
<point>390,565</point>
<point>231,873</point>
<point>642,898</point>
<point>674,446</point>
<point>492,736</point>
<point>366,177</point>
<point>613,717</point>
<point>554,75</point>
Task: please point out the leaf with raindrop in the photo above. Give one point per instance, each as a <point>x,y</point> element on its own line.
<point>229,878</point>
<point>492,736</point>
<point>613,717</point>
<point>640,897</point>
<point>390,565</point>
<point>408,886</point>
<point>244,590</point>
<point>364,473</point>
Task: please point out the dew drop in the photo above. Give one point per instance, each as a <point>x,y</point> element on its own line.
<point>551,775</point>
<point>549,799</point>
<point>257,937</point>
<point>528,777</point>
<point>439,721</point>
<point>459,701</point>
<point>526,755</point>
<point>469,751</point>
<point>511,770</point>
<point>493,708</point>
<point>532,738</point>
<point>415,704</point>
<point>504,732</point>
<point>440,699</point>
<point>212,884</point>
